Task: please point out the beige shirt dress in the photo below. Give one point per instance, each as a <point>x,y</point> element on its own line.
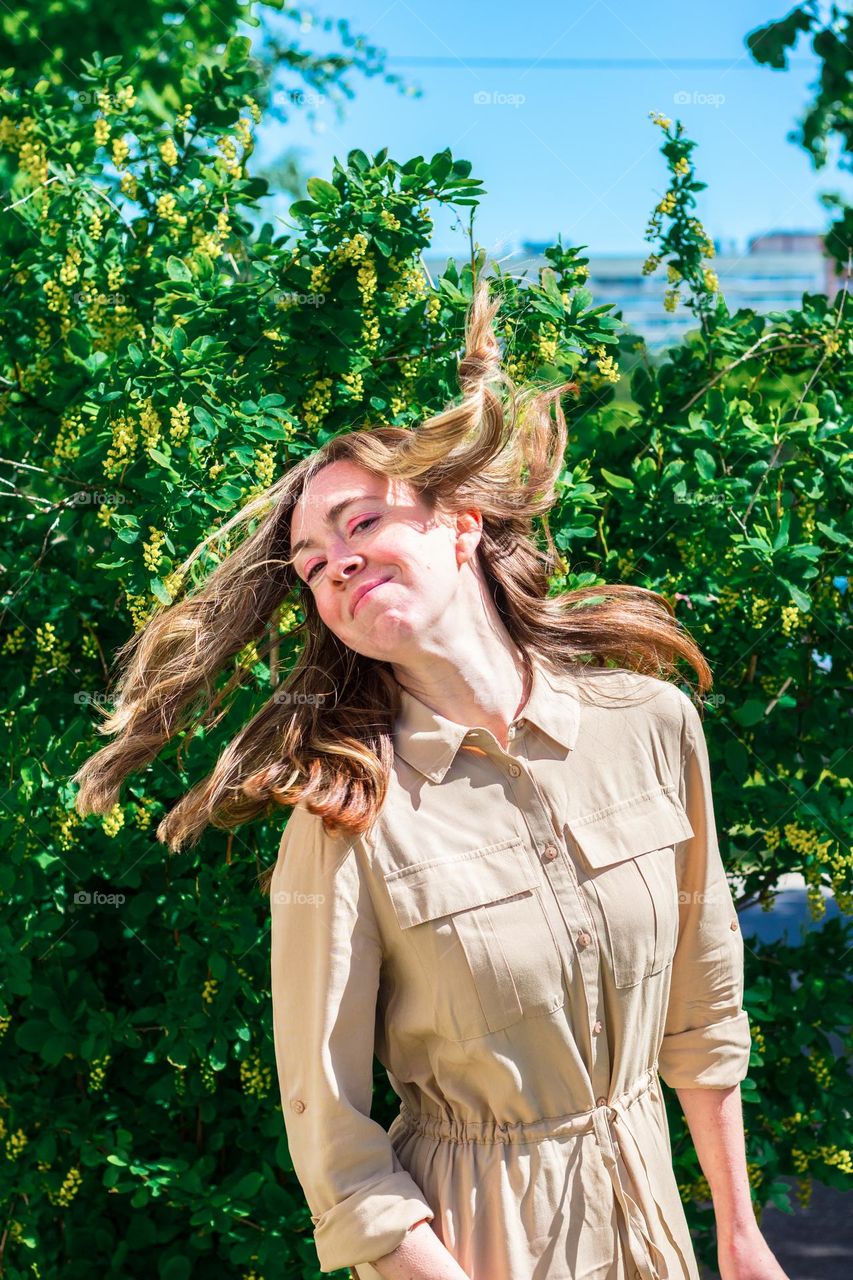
<point>526,940</point>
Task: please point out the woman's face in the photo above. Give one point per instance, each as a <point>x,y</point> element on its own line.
<point>384,570</point>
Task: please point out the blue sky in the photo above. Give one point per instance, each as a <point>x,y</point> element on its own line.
<point>572,150</point>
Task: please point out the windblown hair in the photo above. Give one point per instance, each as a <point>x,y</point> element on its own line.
<point>325,737</point>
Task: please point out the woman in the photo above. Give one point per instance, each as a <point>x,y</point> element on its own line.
<point>500,873</point>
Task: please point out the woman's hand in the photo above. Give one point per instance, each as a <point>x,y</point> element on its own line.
<point>746,1255</point>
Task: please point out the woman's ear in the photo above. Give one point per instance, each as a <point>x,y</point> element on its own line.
<point>469,531</point>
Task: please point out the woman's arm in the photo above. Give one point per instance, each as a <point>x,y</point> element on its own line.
<point>715,1120</point>
<point>421,1256</point>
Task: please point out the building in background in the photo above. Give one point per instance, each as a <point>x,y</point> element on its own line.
<point>771,274</point>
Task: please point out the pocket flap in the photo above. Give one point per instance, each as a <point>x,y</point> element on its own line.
<point>651,820</point>
<point>471,879</point>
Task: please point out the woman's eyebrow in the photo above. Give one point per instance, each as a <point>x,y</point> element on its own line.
<point>332,515</point>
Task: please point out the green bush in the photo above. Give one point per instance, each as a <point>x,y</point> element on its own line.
<point>161,363</point>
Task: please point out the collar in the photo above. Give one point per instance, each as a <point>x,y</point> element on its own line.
<point>429,742</point>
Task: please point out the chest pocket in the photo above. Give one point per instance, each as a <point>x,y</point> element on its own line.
<point>630,853</point>
<point>479,924</point>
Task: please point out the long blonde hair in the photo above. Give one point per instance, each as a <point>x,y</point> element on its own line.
<point>324,738</point>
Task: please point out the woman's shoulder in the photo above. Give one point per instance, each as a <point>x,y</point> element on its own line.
<point>621,687</point>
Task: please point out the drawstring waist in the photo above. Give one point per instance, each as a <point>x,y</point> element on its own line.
<point>573,1124</point>
<point>609,1122</point>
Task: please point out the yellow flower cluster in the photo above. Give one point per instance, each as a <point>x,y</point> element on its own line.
<point>254,109</point>
<point>697,1190</point>
<point>179,420</point>
<point>69,272</point>
<point>547,340</point>
<point>366,277</point>
<point>433,308</point>
<point>102,132</point>
<point>98,1072</point>
<point>169,152</point>
<point>651,264</point>
<point>173,582</point>
<point>792,619</point>
<point>681,167</point>
<point>32,152</point>
<point>712,283</point>
<point>607,366</point>
<point>800,1159</point>
<point>5,1023</point>
<point>152,549</point>
<point>180,1078</point>
<point>317,403</point>
<point>128,185</point>
<point>14,641</point>
<point>123,446</point>
<point>182,119</point>
<point>351,250</point>
<point>753,1172</point>
<point>255,1077</point>
<point>318,280</point>
<point>139,608</point>
<point>66,829</point>
<point>757,1036</point>
<point>662,121</point>
<point>838,1157</point>
<point>150,424</point>
<point>804,1192</point>
<point>68,1190</point>
<point>409,287</point>
<point>673,275</point>
<point>143,812</point>
<point>667,204</point>
<point>670,299</point>
<point>209,990</point>
<point>759,610</point>
<point>389,220</point>
<point>243,130</point>
<point>370,331</point>
<point>354,384</point>
<point>208,1078</point>
<point>15,1144</point>
<point>772,838</point>
<point>215,470</point>
<point>264,463</point>
<point>69,436</point>
<point>120,152</point>
<point>52,654</point>
<point>167,209</point>
<point>113,821</point>
<point>228,147</point>
<point>819,1068</point>
<point>96,225</point>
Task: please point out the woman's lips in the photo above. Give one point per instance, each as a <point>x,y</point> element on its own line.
<point>366,593</point>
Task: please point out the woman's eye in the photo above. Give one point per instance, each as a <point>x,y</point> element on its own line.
<point>319,565</point>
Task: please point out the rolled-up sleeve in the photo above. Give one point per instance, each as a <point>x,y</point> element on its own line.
<point>706,1041</point>
<point>326,957</point>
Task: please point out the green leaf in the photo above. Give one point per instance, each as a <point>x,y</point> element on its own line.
<point>323,192</point>
<point>616,482</point>
<point>177,269</point>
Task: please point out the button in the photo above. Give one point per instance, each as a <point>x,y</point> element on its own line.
<point>601,1102</point>
<point>549,853</point>
<point>596,1027</point>
<point>514,770</point>
<point>584,939</point>
<point>733,924</point>
<point>298,1104</point>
